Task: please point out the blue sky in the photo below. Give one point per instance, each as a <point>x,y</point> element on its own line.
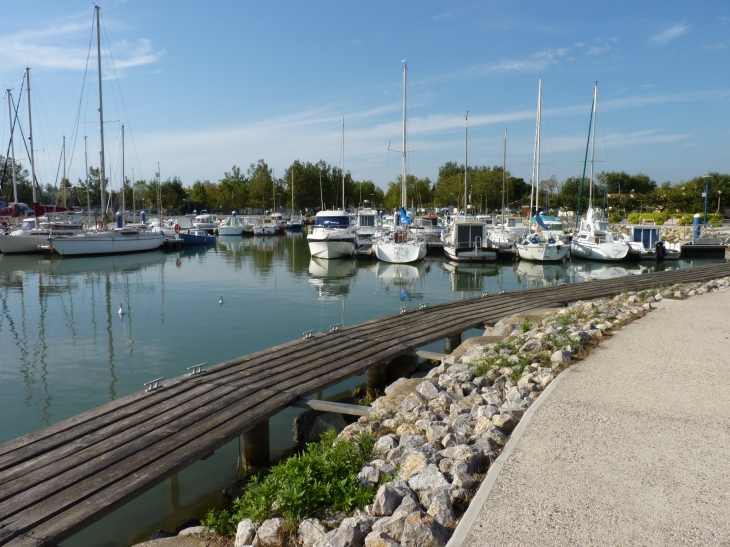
<point>205,85</point>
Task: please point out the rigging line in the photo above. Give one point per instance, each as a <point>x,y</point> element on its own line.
<point>25,144</point>
<point>128,125</point>
<point>75,130</point>
<point>12,130</point>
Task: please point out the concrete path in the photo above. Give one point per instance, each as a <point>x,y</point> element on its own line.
<point>632,447</point>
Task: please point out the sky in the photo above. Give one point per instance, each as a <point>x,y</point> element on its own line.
<point>203,86</point>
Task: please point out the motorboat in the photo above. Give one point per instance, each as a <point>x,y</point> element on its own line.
<point>332,235</point>
<point>196,236</point>
<point>205,221</point>
<point>428,228</point>
<point>234,225</point>
<point>466,240</point>
<point>368,223</point>
<point>645,243</point>
<point>295,223</point>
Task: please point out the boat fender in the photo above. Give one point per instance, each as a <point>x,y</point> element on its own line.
<point>177,228</point>
<point>534,241</point>
<point>551,240</point>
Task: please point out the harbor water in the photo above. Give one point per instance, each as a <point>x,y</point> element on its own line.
<point>64,348</point>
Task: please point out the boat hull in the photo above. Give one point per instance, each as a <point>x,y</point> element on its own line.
<point>264,230</point>
<point>470,254</point>
<point>231,230</point>
<point>331,248</point>
<point>106,243</point>
<point>543,252</point>
<point>22,244</point>
<point>607,252</point>
<point>191,239</point>
<point>400,253</point>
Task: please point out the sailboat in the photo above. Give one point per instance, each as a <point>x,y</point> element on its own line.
<point>295,223</point>
<point>465,238</point>
<point>540,245</point>
<point>333,236</point>
<point>504,237</point>
<point>121,239</point>
<point>401,246</point>
<point>594,239</point>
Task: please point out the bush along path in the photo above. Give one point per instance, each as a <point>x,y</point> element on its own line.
<point>406,474</point>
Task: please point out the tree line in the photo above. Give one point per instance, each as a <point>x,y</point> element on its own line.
<point>320,186</point>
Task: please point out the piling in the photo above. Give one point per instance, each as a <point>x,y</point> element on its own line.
<point>451,343</point>
<point>376,379</point>
<point>255,445</point>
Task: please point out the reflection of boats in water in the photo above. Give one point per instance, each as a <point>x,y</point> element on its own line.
<point>469,277</point>
<point>108,264</point>
<point>584,270</point>
<point>22,263</point>
<point>266,243</point>
<point>539,274</point>
<point>231,243</point>
<point>331,277</point>
<point>401,273</point>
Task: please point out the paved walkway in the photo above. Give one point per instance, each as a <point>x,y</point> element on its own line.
<point>632,446</point>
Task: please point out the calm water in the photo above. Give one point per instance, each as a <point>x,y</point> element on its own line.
<point>64,349</point>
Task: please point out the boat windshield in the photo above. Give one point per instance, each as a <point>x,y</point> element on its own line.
<point>28,224</point>
<point>367,220</point>
<point>332,222</point>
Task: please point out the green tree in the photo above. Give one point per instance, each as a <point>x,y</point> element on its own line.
<point>419,192</point>
<point>233,190</point>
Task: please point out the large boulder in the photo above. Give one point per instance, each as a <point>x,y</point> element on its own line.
<point>310,531</point>
<point>325,422</point>
<point>380,539</point>
<point>245,532</point>
<point>440,507</point>
<point>422,530</point>
<point>270,533</point>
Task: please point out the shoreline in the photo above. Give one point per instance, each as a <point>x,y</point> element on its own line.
<point>444,433</point>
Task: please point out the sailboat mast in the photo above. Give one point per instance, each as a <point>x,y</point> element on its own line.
<point>466,163</point>
<point>101,118</point>
<point>88,190</point>
<point>292,193</point>
<point>123,188</point>
<point>504,173</point>
<point>30,138</point>
<point>404,197</point>
<point>593,144</point>
<point>343,163</point>
<point>537,165</point>
<point>12,148</point>
<point>63,181</point>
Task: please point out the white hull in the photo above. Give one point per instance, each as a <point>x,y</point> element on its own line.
<point>543,252</point>
<point>107,243</point>
<point>231,230</point>
<point>260,230</point>
<point>400,253</point>
<point>599,251</point>
<point>22,244</point>
<point>332,248</point>
<point>469,255</point>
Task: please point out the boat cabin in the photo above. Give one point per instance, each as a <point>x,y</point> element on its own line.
<point>647,236</point>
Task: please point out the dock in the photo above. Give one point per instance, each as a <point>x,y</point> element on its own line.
<point>58,480</point>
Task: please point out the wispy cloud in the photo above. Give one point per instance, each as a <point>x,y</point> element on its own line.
<point>57,47</point>
<point>597,50</point>
<point>355,42</point>
<point>716,47</point>
<point>442,16</point>
<point>668,35</point>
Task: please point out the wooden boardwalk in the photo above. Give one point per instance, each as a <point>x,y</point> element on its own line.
<point>57,480</point>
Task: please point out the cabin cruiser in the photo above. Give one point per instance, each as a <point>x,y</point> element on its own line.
<point>205,221</point>
<point>428,228</point>
<point>645,243</point>
<point>332,236</point>
<point>368,222</point>
<point>234,225</point>
<point>466,240</point>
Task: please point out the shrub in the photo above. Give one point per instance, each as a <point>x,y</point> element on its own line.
<point>324,475</point>
<point>615,218</point>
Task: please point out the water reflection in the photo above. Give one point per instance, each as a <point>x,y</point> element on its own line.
<point>331,278</point>
<point>538,274</point>
<point>470,278</point>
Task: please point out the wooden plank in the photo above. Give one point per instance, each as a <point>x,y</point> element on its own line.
<point>332,406</point>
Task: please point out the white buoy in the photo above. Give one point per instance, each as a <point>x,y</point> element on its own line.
<point>220,301</point>
<point>121,310</point>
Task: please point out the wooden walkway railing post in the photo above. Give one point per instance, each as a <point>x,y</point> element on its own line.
<point>376,379</point>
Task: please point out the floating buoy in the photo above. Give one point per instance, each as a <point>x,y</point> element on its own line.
<point>121,310</point>
<point>220,301</point>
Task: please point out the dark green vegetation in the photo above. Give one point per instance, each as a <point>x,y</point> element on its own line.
<point>323,476</point>
<point>258,189</point>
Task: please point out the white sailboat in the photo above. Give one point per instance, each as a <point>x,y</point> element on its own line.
<point>401,246</point>
<point>594,239</point>
<point>465,238</point>
<point>121,239</point>
<point>540,245</point>
<point>333,236</point>
<point>504,237</point>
